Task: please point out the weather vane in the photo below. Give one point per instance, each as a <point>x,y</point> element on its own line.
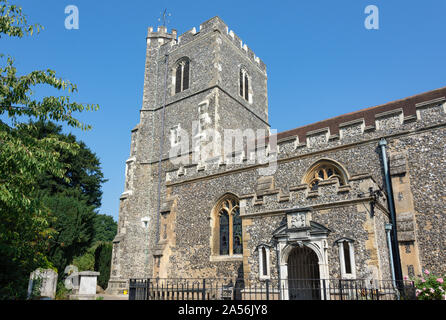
<point>164,17</point>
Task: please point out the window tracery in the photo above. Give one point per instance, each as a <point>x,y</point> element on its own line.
<point>323,171</point>
<point>229,227</point>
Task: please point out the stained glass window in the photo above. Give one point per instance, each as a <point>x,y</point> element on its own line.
<point>237,231</point>
<point>230,227</point>
<point>224,232</point>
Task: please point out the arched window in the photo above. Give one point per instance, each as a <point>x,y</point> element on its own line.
<point>244,84</point>
<point>229,227</point>
<point>324,170</point>
<point>182,75</point>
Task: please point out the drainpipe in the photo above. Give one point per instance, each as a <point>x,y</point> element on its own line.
<point>388,228</point>
<point>395,247</point>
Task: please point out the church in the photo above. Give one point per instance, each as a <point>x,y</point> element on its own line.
<point>358,196</point>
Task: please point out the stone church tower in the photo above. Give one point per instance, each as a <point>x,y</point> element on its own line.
<point>201,80</point>
<point>344,194</point>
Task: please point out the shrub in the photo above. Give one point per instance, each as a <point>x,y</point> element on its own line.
<point>102,255</point>
<point>430,287</point>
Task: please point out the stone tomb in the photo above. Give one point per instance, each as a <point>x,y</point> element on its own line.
<point>84,285</point>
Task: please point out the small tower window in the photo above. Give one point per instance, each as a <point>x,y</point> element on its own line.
<point>244,85</point>
<point>182,75</point>
<point>264,263</point>
<point>347,261</point>
<point>346,258</point>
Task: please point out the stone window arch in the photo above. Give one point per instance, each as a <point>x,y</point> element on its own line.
<point>324,170</point>
<point>228,227</point>
<point>245,86</point>
<point>181,75</point>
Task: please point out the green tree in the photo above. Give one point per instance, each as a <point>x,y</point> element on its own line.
<point>105,228</point>
<point>102,262</point>
<point>74,223</point>
<point>72,199</point>
<point>25,229</point>
<point>83,172</point>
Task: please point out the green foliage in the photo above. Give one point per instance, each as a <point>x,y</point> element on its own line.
<point>13,22</point>
<point>85,262</point>
<point>73,198</point>
<point>430,287</point>
<point>74,225</point>
<point>83,172</point>
<point>103,255</point>
<point>105,228</point>
<point>26,231</point>
<point>62,292</point>
<point>35,289</point>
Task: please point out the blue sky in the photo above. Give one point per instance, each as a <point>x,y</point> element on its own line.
<point>321,60</point>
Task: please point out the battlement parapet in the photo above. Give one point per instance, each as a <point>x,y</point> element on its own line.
<point>366,125</point>
<point>211,25</point>
<point>161,36</point>
<point>357,189</point>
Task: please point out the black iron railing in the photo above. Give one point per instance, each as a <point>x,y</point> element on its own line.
<point>274,289</point>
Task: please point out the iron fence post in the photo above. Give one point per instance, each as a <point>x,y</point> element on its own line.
<point>131,290</point>
<point>204,290</point>
<point>267,289</point>
<point>325,289</point>
<point>340,289</point>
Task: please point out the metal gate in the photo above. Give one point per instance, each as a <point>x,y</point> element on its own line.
<point>303,275</point>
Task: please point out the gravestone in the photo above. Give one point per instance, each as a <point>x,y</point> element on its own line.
<point>84,285</point>
<point>42,284</point>
<point>72,280</point>
<point>88,282</point>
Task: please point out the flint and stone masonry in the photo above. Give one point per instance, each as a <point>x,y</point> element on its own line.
<point>328,187</point>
